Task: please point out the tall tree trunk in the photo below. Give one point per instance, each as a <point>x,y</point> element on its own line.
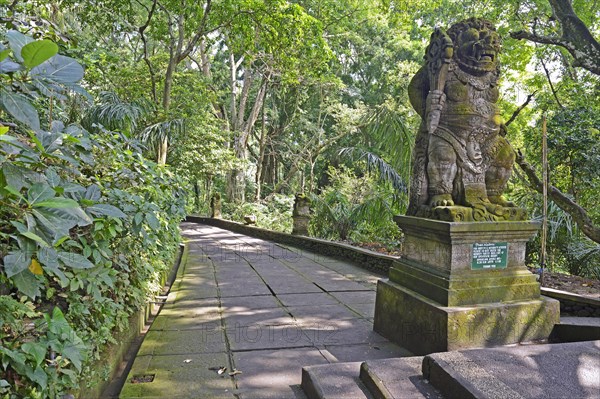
<point>261,157</point>
<point>313,162</point>
<point>237,179</point>
<point>204,59</point>
<point>236,186</point>
<point>178,51</point>
<point>268,175</point>
<point>163,146</point>
<point>208,188</point>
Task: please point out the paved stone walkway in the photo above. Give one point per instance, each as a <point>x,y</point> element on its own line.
<point>257,307</point>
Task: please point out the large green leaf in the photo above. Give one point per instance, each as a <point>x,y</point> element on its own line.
<point>57,202</point>
<point>59,69</point>
<point>59,221</point>
<point>69,345</point>
<point>93,193</point>
<point>51,141</point>
<point>18,177</point>
<point>50,89</point>
<point>53,178</point>
<point>16,41</point>
<point>39,376</point>
<point>8,66</point>
<point>40,192</point>
<point>20,108</point>
<point>16,356</point>
<point>16,262</point>
<point>27,283</point>
<point>4,52</point>
<point>32,236</point>
<point>152,221</point>
<point>73,349</point>
<point>74,260</point>
<point>106,210</point>
<point>35,53</point>
<point>35,349</point>
<point>49,258</point>
<point>57,323</point>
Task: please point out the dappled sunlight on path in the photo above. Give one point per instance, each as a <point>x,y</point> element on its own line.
<point>259,308</point>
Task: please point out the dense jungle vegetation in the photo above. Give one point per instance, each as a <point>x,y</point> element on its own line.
<point>118,117</point>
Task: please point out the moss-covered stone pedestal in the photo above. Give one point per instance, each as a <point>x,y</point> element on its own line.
<point>462,285</point>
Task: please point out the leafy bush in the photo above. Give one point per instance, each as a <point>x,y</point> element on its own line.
<point>88,231</point>
<point>355,208</point>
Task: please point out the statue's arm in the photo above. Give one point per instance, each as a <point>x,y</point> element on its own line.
<point>418,89</point>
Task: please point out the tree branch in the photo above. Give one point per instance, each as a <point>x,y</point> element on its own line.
<point>520,108</point>
<point>532,37</point>
<point>141,29</point>
<point>554,93</point>
<point>576,37</point>
<point>579,215</point>
<point>199,33</point>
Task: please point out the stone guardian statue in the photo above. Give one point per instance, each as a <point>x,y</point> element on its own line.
<point>462,161</point>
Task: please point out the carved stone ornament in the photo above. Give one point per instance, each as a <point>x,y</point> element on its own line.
<point>301,215</point>
<point>301,205</point>
<point>215,206</point>
<point>462,162</point>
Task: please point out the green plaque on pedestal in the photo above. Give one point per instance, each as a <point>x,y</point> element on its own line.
<point>491,255</point>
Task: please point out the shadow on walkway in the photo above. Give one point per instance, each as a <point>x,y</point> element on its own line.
<point>262,311</point>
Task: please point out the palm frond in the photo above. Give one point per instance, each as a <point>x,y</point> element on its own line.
<point>114,114</point>
<point>558,220</point>
<point>385,171</point>
<point>157,132</point>
<point>387,130</point>
<point>371,210</point>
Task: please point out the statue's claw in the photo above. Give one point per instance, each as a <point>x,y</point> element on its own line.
<point>501,200</point>
<point>441,200</point>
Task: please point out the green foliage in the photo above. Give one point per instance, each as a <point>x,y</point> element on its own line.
<point>574,168</point>
<point>88,231</point>
<point>45,353</point>
<point>583,258</point>
<point>112,113</point>
<point>273,213</point>
<point>31,67</point>
<point>334,75</point>
<point>354,207</point>
<point>574,148</point>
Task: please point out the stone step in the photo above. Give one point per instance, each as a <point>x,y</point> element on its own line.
<point>334,381</point>
<point>580,321</point>
<point>576,329</point>
<point>397,378</point>
<point>570,370</point>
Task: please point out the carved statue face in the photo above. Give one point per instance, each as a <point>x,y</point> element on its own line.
<point>478,50</point>
<point>474,152</point>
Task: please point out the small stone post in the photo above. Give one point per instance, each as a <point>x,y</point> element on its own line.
<point>215,206</point>
<point>301,215</point>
